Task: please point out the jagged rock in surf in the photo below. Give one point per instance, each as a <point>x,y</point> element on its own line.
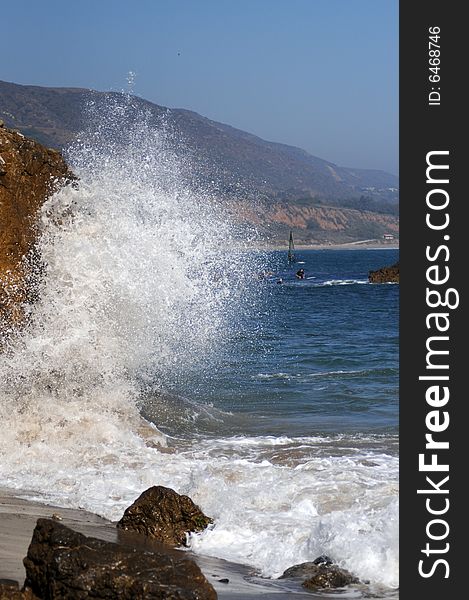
<point>29,174</point>
<point>10,590</point>
<point>304,569</point>
<point>329,577</point>
<point>320,574</point>
<point>62,563</point>
<point>385,274</point>
<point>164,515</point>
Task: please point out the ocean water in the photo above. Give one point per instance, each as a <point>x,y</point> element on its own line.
<point>162,351</point>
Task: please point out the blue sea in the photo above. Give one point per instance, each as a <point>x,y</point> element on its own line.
<point>324,358</point>
<point>163,351</point>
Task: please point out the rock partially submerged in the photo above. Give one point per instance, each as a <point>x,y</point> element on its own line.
<point>164,515</point>
<point>326,577</point>
<point>319,574</point>
<point>385,275</point>
<point>304,569</point>
<point>62,563</point>
<point>29,174</point>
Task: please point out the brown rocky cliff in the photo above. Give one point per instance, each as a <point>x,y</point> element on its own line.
<point>314,224</point>
<point>29,174</point>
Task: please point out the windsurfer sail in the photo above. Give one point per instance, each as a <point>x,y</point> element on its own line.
<point>291,250</point>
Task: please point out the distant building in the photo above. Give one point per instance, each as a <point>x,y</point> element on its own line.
<point>388,236</point>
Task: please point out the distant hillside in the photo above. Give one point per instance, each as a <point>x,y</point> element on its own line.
<point>279,177</point>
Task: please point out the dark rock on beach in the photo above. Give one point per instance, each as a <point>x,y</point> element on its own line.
<point>62,563</point>
<point>29,174</point>
<point>164,515</point>
<point>385,275</point>
<point>320,574</point>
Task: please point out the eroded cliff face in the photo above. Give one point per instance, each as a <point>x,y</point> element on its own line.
<point>314,224</point>
<point>330,219</point>
<point>29,174</point>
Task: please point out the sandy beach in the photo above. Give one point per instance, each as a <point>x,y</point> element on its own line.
<point>18,518</point>
<point>17,521</point>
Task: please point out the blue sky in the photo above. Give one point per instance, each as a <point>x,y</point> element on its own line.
<point>318,74</point>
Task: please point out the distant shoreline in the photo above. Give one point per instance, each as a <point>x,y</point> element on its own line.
<point>368,245</point>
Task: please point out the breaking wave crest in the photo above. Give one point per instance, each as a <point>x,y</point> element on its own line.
<point>140,283</point>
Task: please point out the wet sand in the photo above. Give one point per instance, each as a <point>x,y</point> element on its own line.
<point>18,518</point>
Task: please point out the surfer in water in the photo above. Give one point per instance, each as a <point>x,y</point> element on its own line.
<point>300,274</point>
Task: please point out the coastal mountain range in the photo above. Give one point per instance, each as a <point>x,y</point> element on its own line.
<point>274,187</point>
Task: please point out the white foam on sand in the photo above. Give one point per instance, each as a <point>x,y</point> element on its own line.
<point>270,511</point>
